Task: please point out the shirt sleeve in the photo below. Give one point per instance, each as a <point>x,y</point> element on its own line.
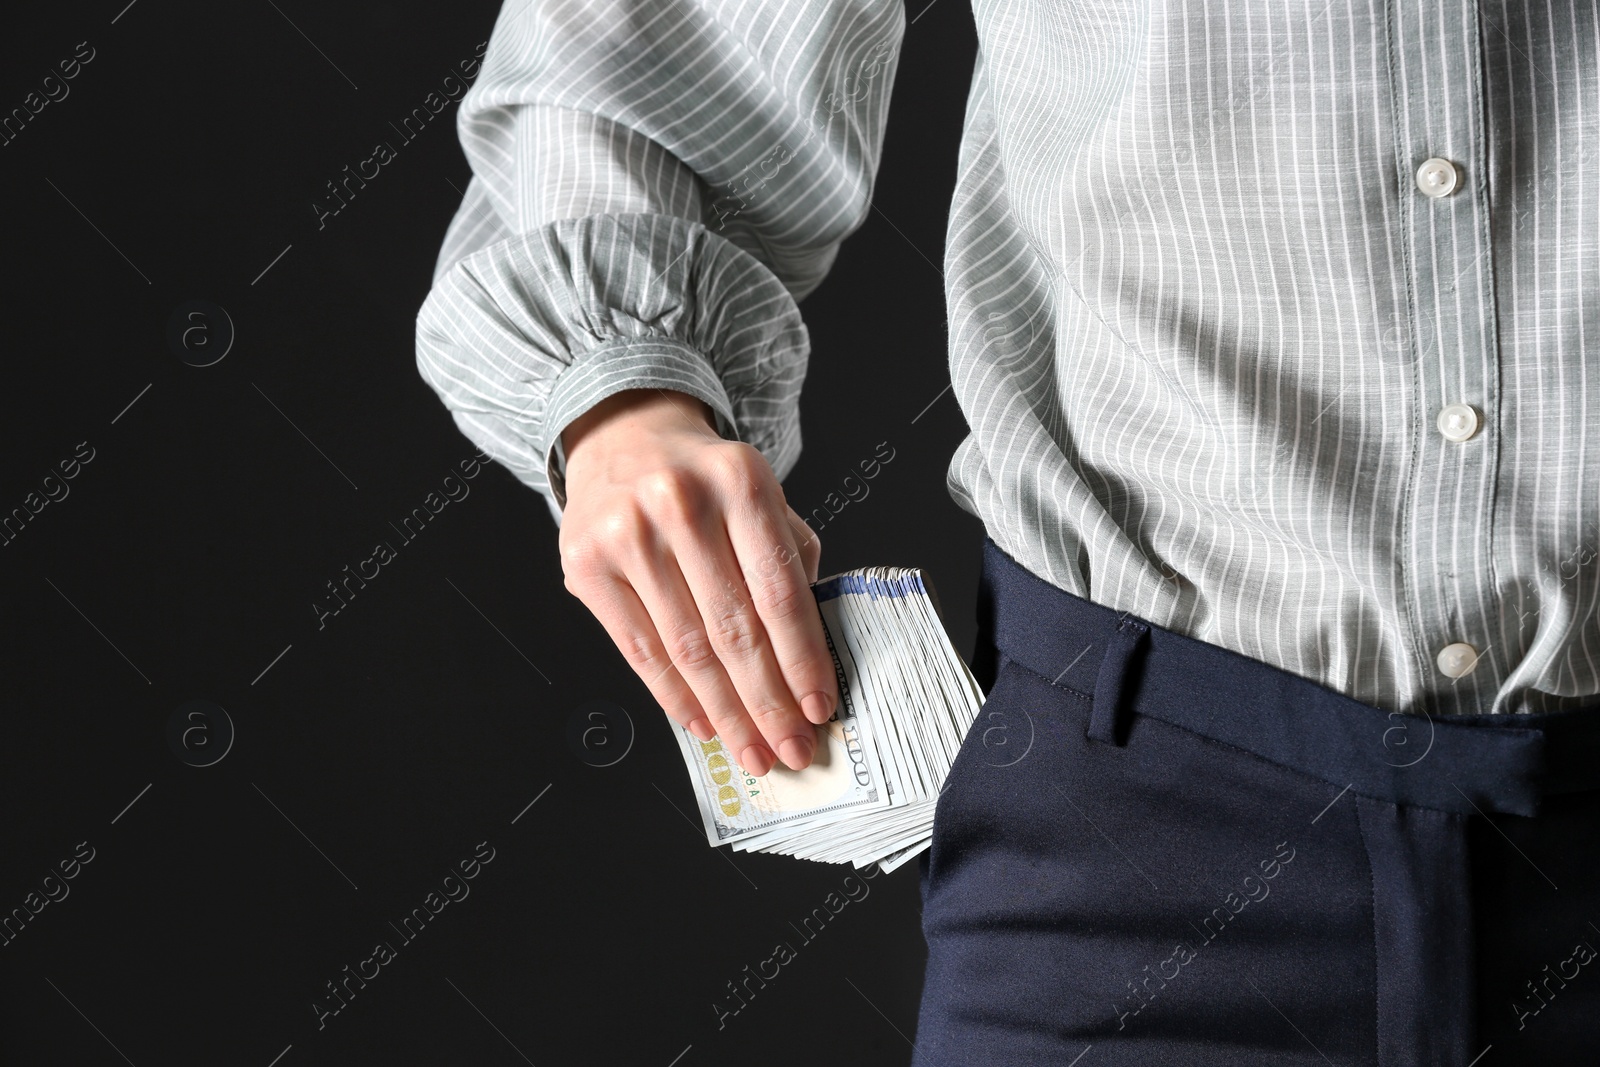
<point>656,184</point>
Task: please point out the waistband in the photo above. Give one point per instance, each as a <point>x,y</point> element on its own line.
<point>1126,666</point>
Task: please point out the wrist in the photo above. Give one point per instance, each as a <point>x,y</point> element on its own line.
<point>622,418</point>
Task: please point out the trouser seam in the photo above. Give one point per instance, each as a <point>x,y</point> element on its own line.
<point>1377,980</point>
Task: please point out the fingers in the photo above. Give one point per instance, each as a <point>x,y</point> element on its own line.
<point>780,589</point>
<point>706,628</point>
<point>629,625</point>
<point>809,545</point>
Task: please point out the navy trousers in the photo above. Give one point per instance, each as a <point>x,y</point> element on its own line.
<point>1153,850</point>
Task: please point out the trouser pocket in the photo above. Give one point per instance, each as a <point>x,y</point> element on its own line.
<point>1168,896</point>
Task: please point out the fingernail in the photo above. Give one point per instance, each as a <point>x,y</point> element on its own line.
<point>702,729</point>
<point>818,707</point>
<point>796,751</point>
<point>756,759</point>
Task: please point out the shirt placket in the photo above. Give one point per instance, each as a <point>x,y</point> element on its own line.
<point>1442,174</point>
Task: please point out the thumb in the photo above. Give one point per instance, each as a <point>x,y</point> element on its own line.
<point>807,544</point>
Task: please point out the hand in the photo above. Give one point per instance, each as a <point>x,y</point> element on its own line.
<point>681,544</point>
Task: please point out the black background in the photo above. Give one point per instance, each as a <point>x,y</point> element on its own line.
<point>375,753</point>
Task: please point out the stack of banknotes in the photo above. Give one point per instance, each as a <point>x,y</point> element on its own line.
<point>907,700</point>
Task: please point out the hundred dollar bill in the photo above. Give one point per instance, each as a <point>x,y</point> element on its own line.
<point>844,778</point>
<point>907,699</point>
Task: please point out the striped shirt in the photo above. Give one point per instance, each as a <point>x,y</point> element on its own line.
<point>1273,323</point>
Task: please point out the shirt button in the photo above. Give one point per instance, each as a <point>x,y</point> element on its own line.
<point>1458,422</point>
<point>1457,659</point>
<point>1438,177</point>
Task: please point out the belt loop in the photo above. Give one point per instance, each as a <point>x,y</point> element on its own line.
<point>1115,674</point>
